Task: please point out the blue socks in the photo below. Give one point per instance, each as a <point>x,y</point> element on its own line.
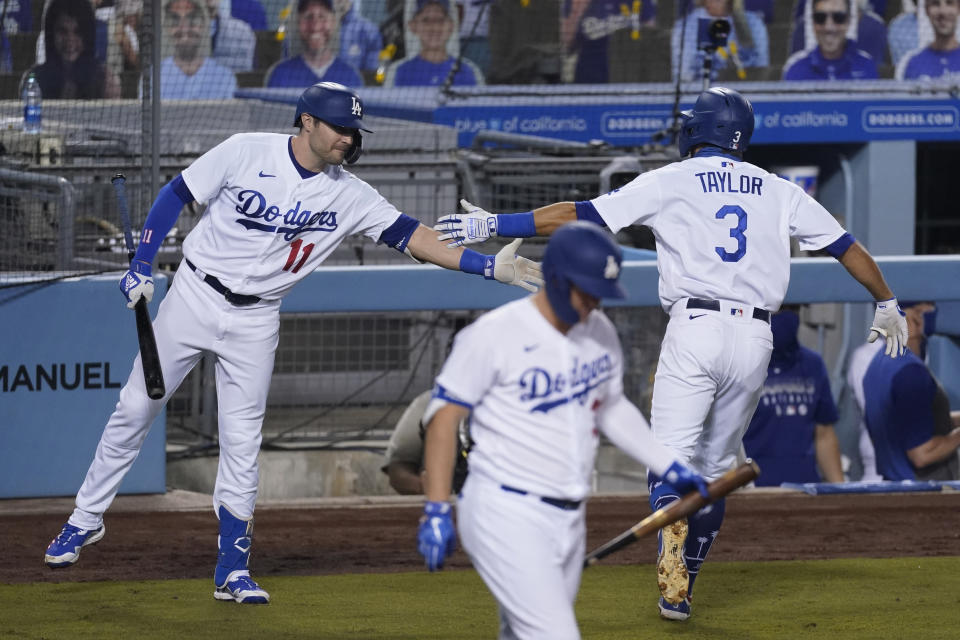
<point>235,538</point>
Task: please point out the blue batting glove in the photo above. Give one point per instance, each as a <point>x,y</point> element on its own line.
<point>436,538</point>
<point>137,283</point>
<point>685,480</point>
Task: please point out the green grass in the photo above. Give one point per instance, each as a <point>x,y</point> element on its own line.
<point>831,599</point>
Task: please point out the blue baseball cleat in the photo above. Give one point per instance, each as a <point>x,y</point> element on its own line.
<point>64,550</point>
<point>679,611</point>
<point>242,588</point>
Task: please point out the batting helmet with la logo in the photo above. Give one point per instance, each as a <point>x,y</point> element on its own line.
<point>336,105</point>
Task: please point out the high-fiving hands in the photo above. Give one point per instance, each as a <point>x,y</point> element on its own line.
<point>473,226</point>
<point>509,268</point>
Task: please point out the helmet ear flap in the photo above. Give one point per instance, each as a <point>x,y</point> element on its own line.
<point>353,153</point>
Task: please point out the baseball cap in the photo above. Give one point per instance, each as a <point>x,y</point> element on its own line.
<point>444,4</point>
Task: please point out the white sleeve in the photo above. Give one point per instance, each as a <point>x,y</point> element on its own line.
<point>625,426</point>
<point>811,224</point>
<point>208,174</point>
<point>378,214</point>
<point>637,202</point>
<point>471,368</point>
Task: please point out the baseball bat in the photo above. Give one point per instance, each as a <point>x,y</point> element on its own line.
<point>690,503</point>
<point>149,357</point>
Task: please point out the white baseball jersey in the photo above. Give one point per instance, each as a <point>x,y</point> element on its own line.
<point>266,227</point>
<point>534,394</point>
<point>722,227</point>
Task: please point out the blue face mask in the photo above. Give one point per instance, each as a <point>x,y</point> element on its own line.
<point>784,326</point>
<point>929,322</point>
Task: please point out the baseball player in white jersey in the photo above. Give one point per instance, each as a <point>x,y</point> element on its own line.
<point>723,229</point>
<point>538,376</point>
<point>278,205</point>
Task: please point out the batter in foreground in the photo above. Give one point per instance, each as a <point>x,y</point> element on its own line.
<point>539,377</point>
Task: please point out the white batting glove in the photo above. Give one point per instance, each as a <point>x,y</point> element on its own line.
<point>890,322</point>
<point>137,283</point>
<point>473,226</point>
<point>509,268</point>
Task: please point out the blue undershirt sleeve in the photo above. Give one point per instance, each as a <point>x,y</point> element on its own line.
<point>399,233</point>
<point>586,211</point>
<point>163,214</point>
<point>839,246</point>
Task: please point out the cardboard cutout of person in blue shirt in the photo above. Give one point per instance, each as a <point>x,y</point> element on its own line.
<point>432,66</point>
<point>942,56</point>
<point>587,26</point>
<point>319,62</point>
<point>871,32</point>
<point>835,57</point>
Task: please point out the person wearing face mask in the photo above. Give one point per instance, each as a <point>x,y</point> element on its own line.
<point>907,412</point>
<point>791,434</point>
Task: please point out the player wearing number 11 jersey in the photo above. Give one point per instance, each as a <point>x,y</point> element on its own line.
<point>278,205</point>
<point>723,229</point>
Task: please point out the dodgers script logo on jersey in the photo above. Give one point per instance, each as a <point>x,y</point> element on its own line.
<point>559,388</point>
<point>254,205</point>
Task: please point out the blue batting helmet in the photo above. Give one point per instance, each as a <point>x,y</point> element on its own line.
<point>582,254</point>
<point>721,117</point>
<point>337,105</point>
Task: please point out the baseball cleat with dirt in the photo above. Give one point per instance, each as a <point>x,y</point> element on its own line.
<point>670,611</point>
<point>672,576</point>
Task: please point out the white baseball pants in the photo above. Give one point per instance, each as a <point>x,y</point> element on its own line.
<point>709,380</point>
<point>194,318</point>
<point>529,554</point>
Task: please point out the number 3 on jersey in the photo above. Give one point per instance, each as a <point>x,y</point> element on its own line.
<point>293,265</point>
<point>735,232</point>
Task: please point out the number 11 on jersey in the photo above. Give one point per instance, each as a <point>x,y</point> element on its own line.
<point>294,251</point>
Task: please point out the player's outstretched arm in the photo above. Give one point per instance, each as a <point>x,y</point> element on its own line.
<point>436,538</point>
<point>506,266</point>
<point>478,225</point>
<point>889,321</point>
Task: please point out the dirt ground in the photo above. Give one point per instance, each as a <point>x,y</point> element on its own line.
<point>363,536</point>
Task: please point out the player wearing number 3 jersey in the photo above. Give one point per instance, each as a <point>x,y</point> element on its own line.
<point>723,229</point>
<point>278,205</point>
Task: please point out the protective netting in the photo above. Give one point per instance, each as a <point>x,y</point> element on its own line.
<point>159,82</point>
